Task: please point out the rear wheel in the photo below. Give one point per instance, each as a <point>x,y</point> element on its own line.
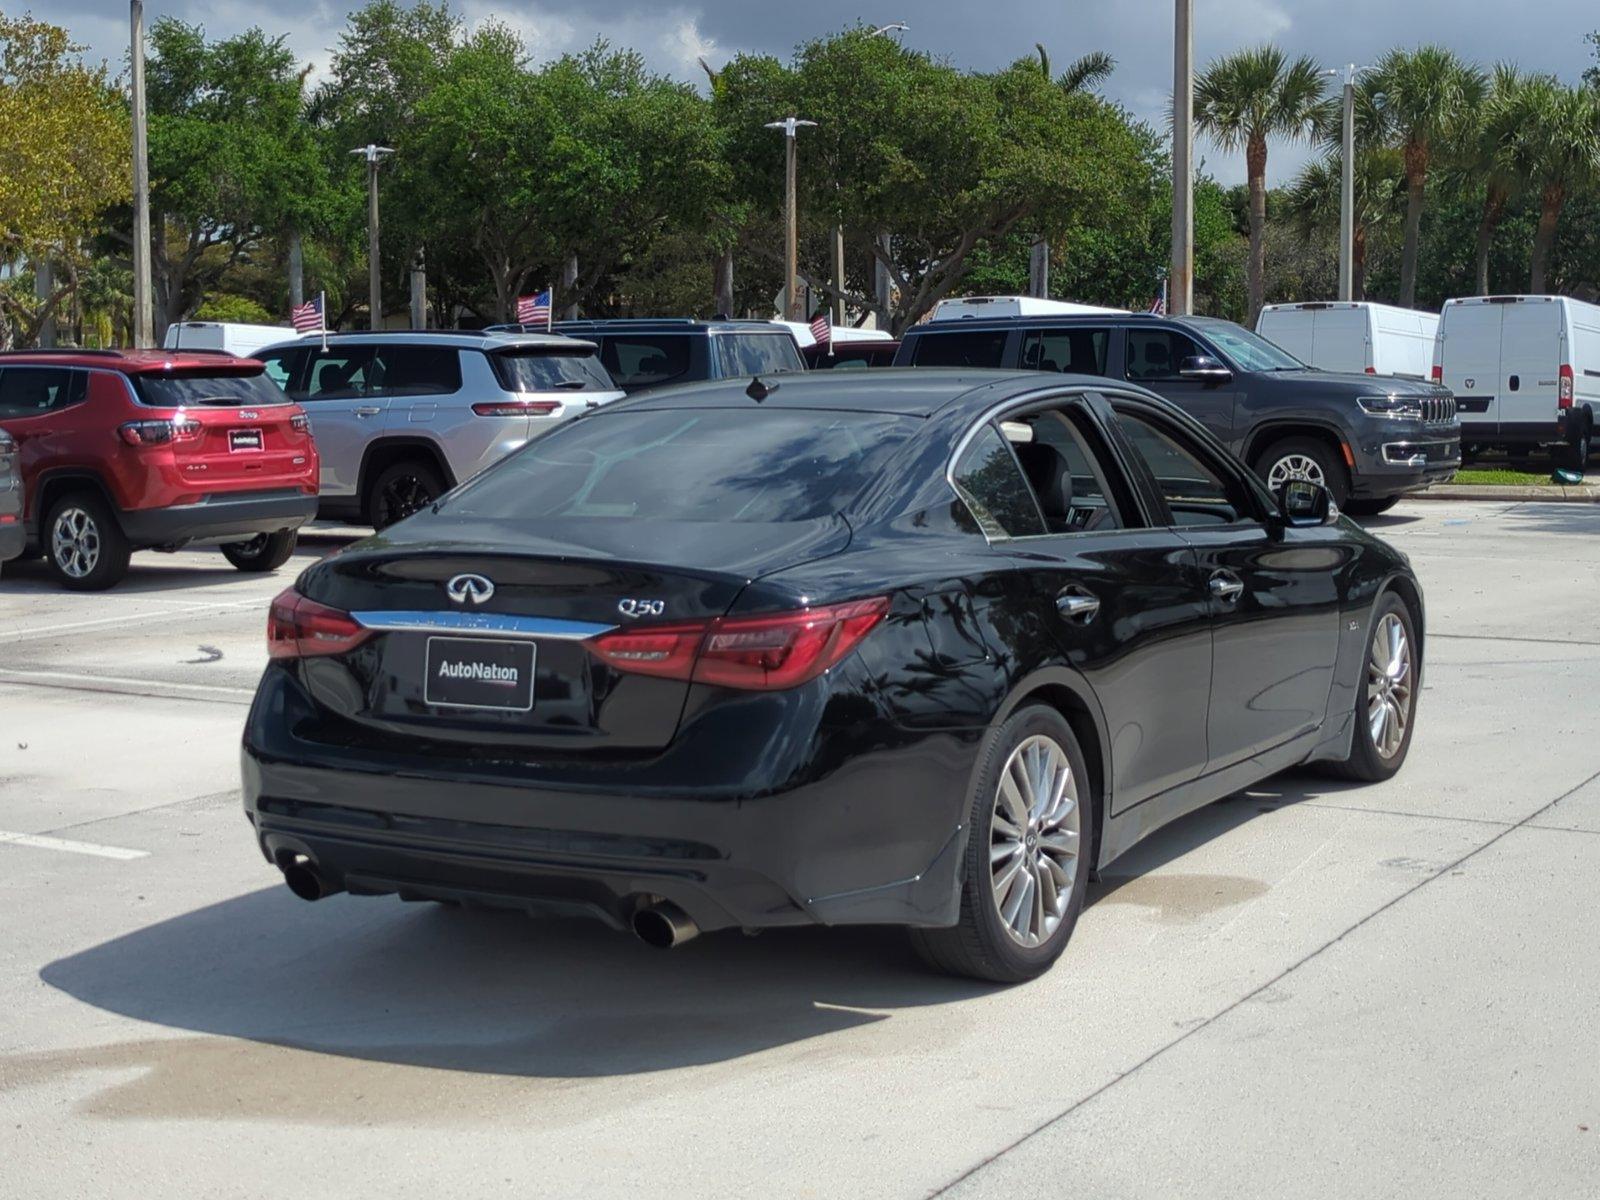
<point>401,489</point>
<point>1304,458</point>
<point>1386,698</point>
<point>1027,859</point>
<point>264,552</point>
<point>85,547</point>
<point>1575,455</point>
<point>1370,508</point>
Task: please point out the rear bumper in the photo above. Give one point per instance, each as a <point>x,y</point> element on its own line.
<point>224,516</point>
<point>876,840</point>
<point>1520,433</point>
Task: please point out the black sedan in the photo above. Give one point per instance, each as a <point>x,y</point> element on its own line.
<point>911,647</point>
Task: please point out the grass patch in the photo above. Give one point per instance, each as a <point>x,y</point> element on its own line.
<point>1499,475</point>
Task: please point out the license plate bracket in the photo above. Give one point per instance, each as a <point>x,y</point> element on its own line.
<point>245,441</point>
<point>479,673</point>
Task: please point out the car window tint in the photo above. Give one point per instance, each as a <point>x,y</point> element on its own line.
<point>192,388</point>
<point>1066,476</point>
<point>338,373</point>
<point>283,367</point>
<point>1249,351</point>
<point>1075,351</point>
<point>992,485</point>
<point>538,370</point>
<point>415,371</point>
<point>756,354</point>
<point>33,391</point>
<point>1197,492</point>
<point>640,360</point>
<point>1158,353</point>
<point>717,465</point>
<point>976,348</point>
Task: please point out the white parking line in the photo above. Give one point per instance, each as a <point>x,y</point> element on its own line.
<point>135,619</point>
<point>41,842</point>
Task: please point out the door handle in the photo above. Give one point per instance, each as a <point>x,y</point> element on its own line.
<point>368,411</point>
<point>1078,605</point>
<point>1225,586</point>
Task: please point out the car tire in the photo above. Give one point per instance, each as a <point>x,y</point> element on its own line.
<point>401,489</point>
<point>264,552</point>
<point>84,543</point>
<point>1370,508</point>
<point>1375,755</point>
<point>1052,846</point>
<point>1305,458</point>
<point>1575,454</point>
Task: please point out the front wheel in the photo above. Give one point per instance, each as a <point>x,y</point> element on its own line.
<point>1386,697</point>
<point>264,552</point>
<point>1308,459</point>
<point>1026,867</point>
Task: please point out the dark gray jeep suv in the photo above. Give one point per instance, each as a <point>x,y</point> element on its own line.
<point>1367,439</point>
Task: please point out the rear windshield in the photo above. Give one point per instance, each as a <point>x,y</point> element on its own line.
<point>756,354</point>
<point>645,360</point>
<point>967,349</point>
<point>758,466</point>
<point>193,388</point>
<point>548,371</point>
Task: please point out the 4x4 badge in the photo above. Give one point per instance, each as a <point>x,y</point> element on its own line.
<point>468,589</point>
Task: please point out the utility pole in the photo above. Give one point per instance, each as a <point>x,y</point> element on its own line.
<point>1347,189</point>
<point>143,291</point>
<point>297,270</point>
<point>569,281</point>
<point>419,290</point>
<point>838,275</point>
<point>1180,295</point>
<point>791,219</point>
<point>373,154</point>
<point>1039,268</point>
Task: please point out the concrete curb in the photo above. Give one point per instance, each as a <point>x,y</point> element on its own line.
<point>1582,493</point>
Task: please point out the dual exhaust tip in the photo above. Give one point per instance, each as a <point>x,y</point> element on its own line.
<point>661,924</point>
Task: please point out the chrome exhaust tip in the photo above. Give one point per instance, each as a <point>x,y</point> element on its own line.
<point>305,881</point>
<point>664,925</point>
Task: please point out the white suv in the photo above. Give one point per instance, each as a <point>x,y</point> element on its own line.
<point>400,418</point>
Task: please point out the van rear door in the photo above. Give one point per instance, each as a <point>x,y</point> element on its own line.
<point>1530,364</point>
<point>1342,340</point>
<point>1470,354</point>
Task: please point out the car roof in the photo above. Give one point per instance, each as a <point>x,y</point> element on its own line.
<point>906,391</point>
<point>132,362</point>
<point>1055,321</point>
<point>461,339</point>
<point>670,325</point>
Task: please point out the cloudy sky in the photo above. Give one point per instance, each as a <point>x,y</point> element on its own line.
<point>1545,34</point>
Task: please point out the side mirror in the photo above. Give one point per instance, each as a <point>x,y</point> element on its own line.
<point>1204,368</point>
<point>1304,503</point>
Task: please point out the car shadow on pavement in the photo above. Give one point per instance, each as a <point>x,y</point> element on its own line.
<point>152,572</point>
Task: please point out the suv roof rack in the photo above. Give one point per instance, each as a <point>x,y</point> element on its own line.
<point>67,350</point>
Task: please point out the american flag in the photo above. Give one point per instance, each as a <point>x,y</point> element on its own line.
<point>534,310</point>
<point>1158,306</point>
<point>307,317</point>
<point>822,329</point>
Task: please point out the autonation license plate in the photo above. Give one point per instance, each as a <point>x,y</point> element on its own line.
<point>244,439</point>
<point>478,673</point>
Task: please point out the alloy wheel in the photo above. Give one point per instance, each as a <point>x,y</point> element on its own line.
<point>402,496</point>
<point>1034,841</point>
<point>75,542</point>
<point>1389,685</point>
<point>1296,466</point>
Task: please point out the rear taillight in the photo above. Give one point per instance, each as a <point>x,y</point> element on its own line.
<point>301,628</point>
<point>516,408</point>
<point>1372,370</point>
<point>751,653</point>
<point>1564,389</point>
<point>300,423</point>
<point>1438,373</point>
<point>159,433</point>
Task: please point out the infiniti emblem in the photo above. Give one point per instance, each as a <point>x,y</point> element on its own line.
<point>469,589</point>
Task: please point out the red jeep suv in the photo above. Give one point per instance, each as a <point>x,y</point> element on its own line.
<point>153,449</point>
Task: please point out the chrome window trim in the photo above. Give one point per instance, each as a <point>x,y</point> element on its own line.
<point>490,624</point>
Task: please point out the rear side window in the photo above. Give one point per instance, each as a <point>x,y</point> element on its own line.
<point>415,371</point>
<point>756,354</point>
<point>196,388</point>
<point>715,465</point>
<point>966,349</point>
<point>535,370</point>
<point>1074,351</point>
<point>34,391</point>
<point>642,360</point>
<point>991,483</point>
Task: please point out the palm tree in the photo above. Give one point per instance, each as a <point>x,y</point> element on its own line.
<point>1552,145</point>
<point>1242,101</point>
<point>1423,99</point>
<point>1082,74</point>
<point>1484,159</point>
<point>1311,202</point>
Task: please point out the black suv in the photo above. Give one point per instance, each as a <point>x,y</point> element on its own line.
<point>657,351</point>
<point>1368,440</point>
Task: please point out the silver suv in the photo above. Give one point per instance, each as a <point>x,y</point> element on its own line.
<point>400,418</point>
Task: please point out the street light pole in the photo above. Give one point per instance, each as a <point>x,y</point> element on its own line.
<point>143,297</point>
<point>791,221</point>
<point>1180,292</point>
<point>373,154</point>
<point>1347,189</point>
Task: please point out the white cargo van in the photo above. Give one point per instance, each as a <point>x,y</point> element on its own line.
<point>1354,336</point>
<point>1525,371</point>
<point>235,337</point>
<point>961,308</point>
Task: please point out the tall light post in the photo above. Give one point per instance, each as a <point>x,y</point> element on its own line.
<point>1347,188</point>
<point>791,222</point>
<point>373,155</point>
<point>1180,290</point>
<point>143,297</point>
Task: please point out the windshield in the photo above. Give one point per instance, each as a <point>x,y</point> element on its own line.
<point>544,371</point>
<point>180,391</point>
<point>1248,351</point>
<point>758,466</point>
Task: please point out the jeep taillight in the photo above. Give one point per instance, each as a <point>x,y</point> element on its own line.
<point>159,433</point>
<point>1564,389</point>
<point>300,423</point>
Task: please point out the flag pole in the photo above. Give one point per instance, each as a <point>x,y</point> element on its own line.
<point>550,309</point>
<point>322,318</point>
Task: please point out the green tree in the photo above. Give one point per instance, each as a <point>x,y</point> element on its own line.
<point>1311,203</point>
<point>1487,159</point>
<point>1423,101</point>
<point>1244,100</point>
<point>1553,146</point>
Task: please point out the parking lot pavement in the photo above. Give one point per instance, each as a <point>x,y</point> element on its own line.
<point>1308,989</point>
